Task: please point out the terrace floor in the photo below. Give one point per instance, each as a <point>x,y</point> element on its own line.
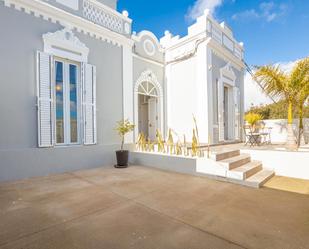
<point>268,147</point>
<point>146,208</point>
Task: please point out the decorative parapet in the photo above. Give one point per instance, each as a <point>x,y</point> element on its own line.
<point>46,10</point>
<point>205,27</point>
<point>106,17</point>
<point>222,34</point>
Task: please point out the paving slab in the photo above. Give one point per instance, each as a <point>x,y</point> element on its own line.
<point>256,219</point>
<point>300,186</point>
<point>22,218</point>
<point>125,226</point>
<point>147,208</point>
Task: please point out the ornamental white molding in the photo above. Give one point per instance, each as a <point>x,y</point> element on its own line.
<point>149,47</point>
<point>65,44</point>
<point>145,34</point>
<point>149,76</point>
<point>50,13</point>
<point>227,74</point>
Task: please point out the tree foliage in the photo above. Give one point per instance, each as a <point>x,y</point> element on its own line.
<point>253,118</point>
<point>292,88</point>
<point>277,111</point>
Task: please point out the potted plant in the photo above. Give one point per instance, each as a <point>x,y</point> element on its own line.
<point>253,119</point>
<point>123,127</point>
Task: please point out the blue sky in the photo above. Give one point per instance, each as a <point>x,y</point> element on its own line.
<point>273,31</point>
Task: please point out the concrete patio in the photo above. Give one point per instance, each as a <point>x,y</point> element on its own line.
<point>147,208</point>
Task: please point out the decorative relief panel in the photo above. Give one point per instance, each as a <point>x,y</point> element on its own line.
<point>219,36</point>
<point>238,53</point>
<point>99,15</point>
<point>227,42</point>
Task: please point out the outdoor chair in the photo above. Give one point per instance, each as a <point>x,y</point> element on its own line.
<point>265,133</point>
<point>252,138</point>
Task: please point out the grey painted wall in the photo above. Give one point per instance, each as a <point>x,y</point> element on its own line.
<point>59,5</point>
<point>19,155</point>
<point>140,66</point>
<point>110,3</point>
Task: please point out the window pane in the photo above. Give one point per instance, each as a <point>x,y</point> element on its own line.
<point>59,103</point>
<point>73,104</point>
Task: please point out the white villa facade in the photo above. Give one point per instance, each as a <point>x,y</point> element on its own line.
<point>205,78</point>
<point>72,68</point>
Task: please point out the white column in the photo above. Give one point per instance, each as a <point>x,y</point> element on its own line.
<point>210,96</point>
<point>237,112</point>
<point>202,93</point>
<point>128,88</point>
<point>168,98</point>
<point>220,108</point>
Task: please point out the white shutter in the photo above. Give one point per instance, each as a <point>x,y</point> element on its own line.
<point>89,104</point>
<point>220,111</point>
<point>237,112</point>
<point>45,100</point>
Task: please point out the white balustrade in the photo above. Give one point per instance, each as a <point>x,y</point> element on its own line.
<point>99,14</point>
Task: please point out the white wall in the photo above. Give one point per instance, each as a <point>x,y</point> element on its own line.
<point>182,97</point>
<point>283,163</point>
<point>279,129</point>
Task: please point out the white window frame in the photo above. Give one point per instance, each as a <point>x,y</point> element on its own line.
<point>65,47</point>
<point>66,97</point>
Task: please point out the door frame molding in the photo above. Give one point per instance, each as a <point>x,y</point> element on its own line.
<point>227,78</point>
<point>148,76</point>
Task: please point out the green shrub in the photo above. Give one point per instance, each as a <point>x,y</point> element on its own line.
<point>253,119</point>
<point>123,127</point>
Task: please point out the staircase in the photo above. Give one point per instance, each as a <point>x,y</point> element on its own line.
<point>241,169</point>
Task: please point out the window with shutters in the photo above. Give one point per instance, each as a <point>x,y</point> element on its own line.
<point>66,90</point>
<point>67,93</point>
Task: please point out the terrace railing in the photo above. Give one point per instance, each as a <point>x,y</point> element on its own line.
<point>104,16</point>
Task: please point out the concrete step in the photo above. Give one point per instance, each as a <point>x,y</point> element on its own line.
<point>234,162</point>
<point>218,156</point>
<point>260,178</point>
<point>245,171</point>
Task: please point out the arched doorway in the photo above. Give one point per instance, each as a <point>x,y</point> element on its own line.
<point>148,106</point>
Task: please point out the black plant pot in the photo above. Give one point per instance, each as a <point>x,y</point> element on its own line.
<point>122,158</point>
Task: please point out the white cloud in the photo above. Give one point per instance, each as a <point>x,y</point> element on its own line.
<point>247,14</point>
<point>200,5</point>
<point>268,11</point>
<point>253,92</point>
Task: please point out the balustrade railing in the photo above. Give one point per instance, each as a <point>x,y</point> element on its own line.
<point>101,15</point>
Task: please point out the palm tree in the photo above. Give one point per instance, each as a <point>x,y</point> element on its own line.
<point>285,86</point>
<point>301,73</point>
